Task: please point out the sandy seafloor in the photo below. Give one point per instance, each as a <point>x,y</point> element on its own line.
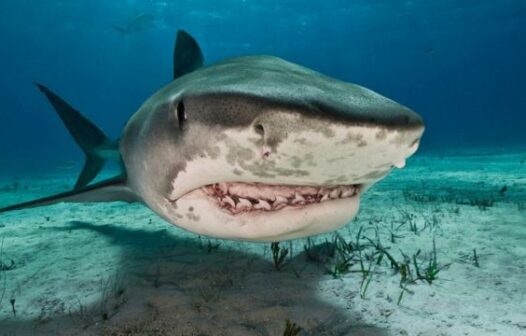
<point>118,269</point>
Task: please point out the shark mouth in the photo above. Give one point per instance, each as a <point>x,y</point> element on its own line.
<point>240,197</point>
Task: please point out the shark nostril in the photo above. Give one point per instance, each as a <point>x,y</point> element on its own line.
<point>259,129</point>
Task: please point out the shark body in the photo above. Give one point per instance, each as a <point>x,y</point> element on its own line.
<point>252,148</point>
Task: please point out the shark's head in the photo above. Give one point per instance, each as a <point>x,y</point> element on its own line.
<point>257,148</point>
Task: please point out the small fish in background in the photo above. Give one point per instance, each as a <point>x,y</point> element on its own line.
<point>430,50</point>
<point>68,165</point>
<point>139,23</point>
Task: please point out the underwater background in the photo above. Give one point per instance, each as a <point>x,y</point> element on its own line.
<point>460,64</point>
<point>438,248</point>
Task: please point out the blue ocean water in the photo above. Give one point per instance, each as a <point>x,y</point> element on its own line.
<point>436,249</point>
<point>460,64</point>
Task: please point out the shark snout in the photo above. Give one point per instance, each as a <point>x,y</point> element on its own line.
<point>395,116</point>
<point>374,111</point>
<point>297,147</point>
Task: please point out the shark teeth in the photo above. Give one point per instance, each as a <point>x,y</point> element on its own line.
<point>262,205</point>
<point>335,193</point>
<point>298,199</point>
<point>280,200</point>
<point>243,204</point>
<point>238,197</point>
<point>222,187</point>
<point>228,201</point>
<point>347,193</point>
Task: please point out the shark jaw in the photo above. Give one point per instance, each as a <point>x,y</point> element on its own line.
<point>265,212</point>
<point>240,197</point>
<point>299,190</point>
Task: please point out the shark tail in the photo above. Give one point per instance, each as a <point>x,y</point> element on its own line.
<point>98,148</point>
<point>96,145</point>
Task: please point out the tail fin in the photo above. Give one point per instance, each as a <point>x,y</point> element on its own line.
<point>89,137</point>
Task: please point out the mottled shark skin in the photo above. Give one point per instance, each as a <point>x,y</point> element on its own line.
<point>219,148</point>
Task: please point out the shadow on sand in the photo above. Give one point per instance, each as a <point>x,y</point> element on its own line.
<point>166,285</point>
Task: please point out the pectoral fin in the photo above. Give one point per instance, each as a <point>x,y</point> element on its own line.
<point>114,189</point>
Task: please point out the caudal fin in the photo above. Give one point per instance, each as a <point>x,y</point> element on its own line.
<point>96,145</point>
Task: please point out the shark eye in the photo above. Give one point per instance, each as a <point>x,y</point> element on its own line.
<point>181,114</point>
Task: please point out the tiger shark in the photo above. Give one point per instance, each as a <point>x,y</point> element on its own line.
<point>251,148</point>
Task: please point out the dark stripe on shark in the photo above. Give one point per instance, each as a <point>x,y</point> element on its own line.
<point>240,109</point>
<point>114,189</point>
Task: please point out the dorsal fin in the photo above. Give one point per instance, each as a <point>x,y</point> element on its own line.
<point>187,55</point>
<point>96,145</point>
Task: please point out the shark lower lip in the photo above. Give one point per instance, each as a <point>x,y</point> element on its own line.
<point>240,197</point>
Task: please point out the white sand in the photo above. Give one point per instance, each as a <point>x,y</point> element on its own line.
<point>76,265</point>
